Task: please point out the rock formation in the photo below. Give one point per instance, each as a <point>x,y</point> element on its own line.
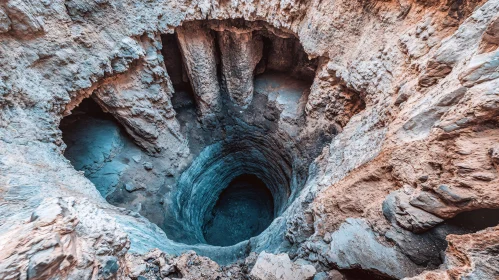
<point>249,139</point>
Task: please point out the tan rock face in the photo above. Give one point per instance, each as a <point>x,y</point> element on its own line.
<point>373,124</point>
<point>52,244</point>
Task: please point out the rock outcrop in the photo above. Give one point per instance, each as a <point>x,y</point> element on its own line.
<point>374,125</point>
<point>270,266</point>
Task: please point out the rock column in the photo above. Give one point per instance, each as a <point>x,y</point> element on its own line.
<point>198,50</point>
<point>240,54</point>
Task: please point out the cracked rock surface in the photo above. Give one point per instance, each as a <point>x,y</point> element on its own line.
<point>372,127</point>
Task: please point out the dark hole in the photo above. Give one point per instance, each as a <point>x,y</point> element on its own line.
<point>361,274</point>
<point>285,55</point>
<point>87,108</point>
<point>184,95</point>
<point>84,121</point>
<point>476,220</point>
<point>93,138</point>
<point>243,210</point>
<point>173,60</point>
<point>427,249</point>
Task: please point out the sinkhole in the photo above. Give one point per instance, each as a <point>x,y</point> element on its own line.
<point>242,169</point>
<point>234,189</point>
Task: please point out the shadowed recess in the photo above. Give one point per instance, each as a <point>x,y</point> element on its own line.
<point>243,210</point>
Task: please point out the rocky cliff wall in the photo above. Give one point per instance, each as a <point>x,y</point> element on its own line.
<point>408,87</point>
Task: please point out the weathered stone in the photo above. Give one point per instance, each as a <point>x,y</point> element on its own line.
<point>78,10</point>
<point>403,94</point>
<point>279,267</point>
<point>24,18</point>
<point>482,68</point>
<point>148,166</point>
<point>467,256</point>
<point>240,53</point>
<point>143,105</point>
<point>327,90</point>
<point>490,39</point>
<point>428,202</point>
<point>44,263</point>
<point>108,267</point>
<point>339,148</point>
<point>355,244</point>
<point>5,23</point>
<point>198,50</point>
<point>452,195</point>
<point>397,208</point>
<point>131,187</point>
<point>420,124</point>
<point>494,154</point>
<point>462,42</point>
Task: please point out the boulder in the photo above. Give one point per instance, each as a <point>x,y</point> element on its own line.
<point>280,267</point>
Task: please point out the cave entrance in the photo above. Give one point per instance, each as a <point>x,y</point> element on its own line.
<point>184,95</point>
<point>284,56</point>
<point>244,209</point>
<point>93,139</point>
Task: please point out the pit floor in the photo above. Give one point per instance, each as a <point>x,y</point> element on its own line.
<point>244,209</point>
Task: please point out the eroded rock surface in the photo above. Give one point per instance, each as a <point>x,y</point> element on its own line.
<point>269,266</point>
<point>198,50</point>
<point>374,125</point>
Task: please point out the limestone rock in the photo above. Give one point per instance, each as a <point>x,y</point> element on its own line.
<point>5,23</point>
<point>453,195</point>
<point>452,49</point>
<point>51,241</point>
<point>240,53</point>
<point>419,125</point>
<point>131,187</point>
<point>148,166</point>
<point>356,244</point>
<point>198,50</point>
<point>490,39</point>
<point>23,17</point>
<point>397,207</point>
<point>279,267</point>
<point>494,154</point>
<point>79,9</point>
<point>327,90</point>
<point>143,105</point>
<point>108,267</point>
<point>428,202</point>
<point>405,93</point>
<point>105,141</point>
<point>482,68</point>
<point>467,256</point>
